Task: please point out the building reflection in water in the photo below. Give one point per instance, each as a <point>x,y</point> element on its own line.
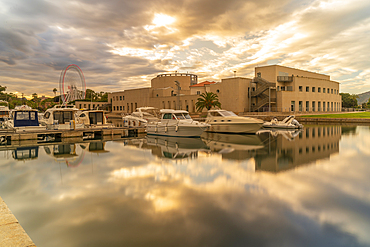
<point>311,144</point>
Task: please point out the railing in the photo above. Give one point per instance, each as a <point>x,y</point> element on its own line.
<point>263,103</point>
<point>262,84</point>
<point>304,110</point>
<point>285,78</point>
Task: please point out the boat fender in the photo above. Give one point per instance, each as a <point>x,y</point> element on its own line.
<point>177,128</point>
<point>165,129</point>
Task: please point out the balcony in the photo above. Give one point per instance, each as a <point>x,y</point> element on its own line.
<point>285,78</point>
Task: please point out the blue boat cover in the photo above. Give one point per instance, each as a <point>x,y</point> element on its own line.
<point>25,118</point>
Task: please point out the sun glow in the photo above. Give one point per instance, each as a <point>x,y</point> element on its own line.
<point>163,20</point>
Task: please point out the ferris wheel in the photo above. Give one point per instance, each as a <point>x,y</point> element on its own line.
<point>72,84</point>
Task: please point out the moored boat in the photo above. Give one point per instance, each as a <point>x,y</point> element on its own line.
<point>287,123</point>
<point>23,118</point>
<point>61,117</point>
<point>140,117</point>
<point>176,123</point>
<point>223,121</point>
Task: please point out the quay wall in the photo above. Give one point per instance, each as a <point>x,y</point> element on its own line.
<point>11,232</point>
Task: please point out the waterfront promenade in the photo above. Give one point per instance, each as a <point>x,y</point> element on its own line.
<point>11,232</point>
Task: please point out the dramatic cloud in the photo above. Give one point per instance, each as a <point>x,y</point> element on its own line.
<point>123,44</point>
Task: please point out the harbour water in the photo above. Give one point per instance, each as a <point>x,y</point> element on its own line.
<point>305,188</point>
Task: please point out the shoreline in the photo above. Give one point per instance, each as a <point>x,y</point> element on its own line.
<point>11,232</point>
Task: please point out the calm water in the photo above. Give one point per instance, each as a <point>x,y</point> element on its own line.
<point>274,189</point>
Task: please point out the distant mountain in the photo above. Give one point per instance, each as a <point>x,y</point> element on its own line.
<point>363,97</point>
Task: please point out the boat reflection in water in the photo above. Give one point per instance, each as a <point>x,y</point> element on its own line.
<point>26,153</point>
<point>175,147</point>
<point>271,150</point>
<point>71,154</point>
<point>232,146</point>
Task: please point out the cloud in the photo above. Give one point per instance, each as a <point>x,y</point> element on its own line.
<point>116,42</point>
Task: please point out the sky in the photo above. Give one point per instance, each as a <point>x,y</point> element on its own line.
<point>122,44</point>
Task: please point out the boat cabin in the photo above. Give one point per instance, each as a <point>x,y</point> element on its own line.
<point>221,113</point>
<point>24,118</point>
<point>4,113</point>
<point>168,114</point>
<point>94,117</point>
<point>60,116</point>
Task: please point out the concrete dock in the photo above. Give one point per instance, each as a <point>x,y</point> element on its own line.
<point>11,232</point>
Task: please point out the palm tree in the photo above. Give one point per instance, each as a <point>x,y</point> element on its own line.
<point>55,92</point>
<point>207,100</point>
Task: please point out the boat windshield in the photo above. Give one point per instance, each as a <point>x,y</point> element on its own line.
<point>182,116</point>
<point>227,113</point>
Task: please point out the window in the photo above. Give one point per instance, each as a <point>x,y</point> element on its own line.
<point>47,115</point>
<point>331,91</point>
<point>120,97</point>
<point>292,105</point>
<point>323,90</point>
<point>123,108</point>
<point>313,89</point>
<point>300,88</point>
<point>319,106</point>
<point>114,108</point>
<point>123,97</point>
<point>307,89</point>
<point>319,89</point>
<point>120,108</point>
<point>282,88</point>
<point>198,92</point>
<point>157,95</point>
<point>217,91</point>
<point>259,74</point>
<point>307,105</point>
<point>328,90</point>
<point>313,105</point>
<point>167,116</point>
<point>335,91</point>
<point>300,105</point>
<point>278,88</point>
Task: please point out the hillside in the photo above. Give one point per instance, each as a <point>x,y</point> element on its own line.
<point>363,97</point>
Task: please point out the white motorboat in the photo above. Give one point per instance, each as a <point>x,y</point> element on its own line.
<point>288,123</point>
<point>141,117</point>
<point>23,118</point>
<point>4,115</point>
<point>228,122</point>
<point>93,118</point>
<point>176,123</point>
<point>61,117</point>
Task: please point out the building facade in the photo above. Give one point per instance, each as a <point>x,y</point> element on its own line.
<point>274,88</point>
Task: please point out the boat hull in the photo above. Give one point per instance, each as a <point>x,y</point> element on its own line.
<point>241,128</point>
<point>174,130</point>
<point>279,126</point>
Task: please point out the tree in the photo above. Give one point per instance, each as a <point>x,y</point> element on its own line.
<point>207,100</point>
<point>2,89</point>
<point>349,100</point>
<point>34,96</point>
<point>55,92</point>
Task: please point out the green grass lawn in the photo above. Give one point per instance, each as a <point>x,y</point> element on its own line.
<point>341,115</point>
